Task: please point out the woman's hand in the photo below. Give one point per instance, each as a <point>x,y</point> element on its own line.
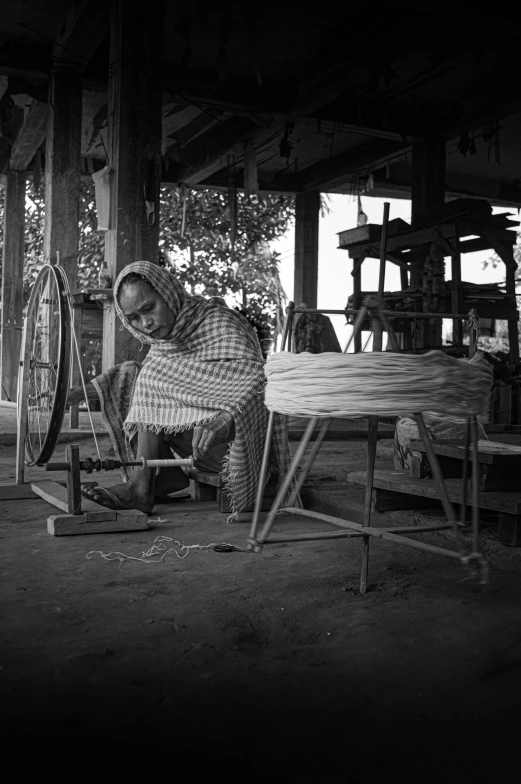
<point>212,433</point>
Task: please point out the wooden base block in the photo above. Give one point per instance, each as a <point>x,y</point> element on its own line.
<point>72,525</point>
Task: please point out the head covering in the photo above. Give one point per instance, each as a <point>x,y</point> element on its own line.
<point>175,295</point>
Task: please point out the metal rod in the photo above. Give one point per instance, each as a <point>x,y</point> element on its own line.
<point>377,533</point>
<point>262,477</point>
<point>286,484</point>
<point>372,434</point>
<point>389,313</point>
<point>465,476</point>
<point>475,480</point>
<point>309,459</point>
<point>440,484</point>
<point>357,326</point>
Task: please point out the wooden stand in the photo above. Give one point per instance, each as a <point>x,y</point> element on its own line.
<point>82,515</point>
<point>467,550</point>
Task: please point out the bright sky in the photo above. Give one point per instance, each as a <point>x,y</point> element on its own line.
<point>335,282</point>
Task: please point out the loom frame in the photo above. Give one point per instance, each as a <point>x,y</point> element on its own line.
<point>467,552</point>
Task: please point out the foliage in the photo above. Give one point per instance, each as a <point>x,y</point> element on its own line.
<point>220,247</point>
<point>91,244</point>
<point>500,343</point>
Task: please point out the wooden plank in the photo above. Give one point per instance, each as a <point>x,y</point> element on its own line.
<point>399,481</point>
<point>307,212</point>
<point>56,494</point>
<point>73,525</point>
<point>207,479</point>
<point>12,284</point>
<point>506,454</point>
<point>30,136</point>
<point>134,150</point>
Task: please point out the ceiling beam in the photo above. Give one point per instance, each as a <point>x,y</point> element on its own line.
<point>30,136</point>
<point>205,154</point>
<point>85,27</point>
<point>333,172</point>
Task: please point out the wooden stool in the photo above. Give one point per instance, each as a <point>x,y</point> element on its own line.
<point>210,487</point>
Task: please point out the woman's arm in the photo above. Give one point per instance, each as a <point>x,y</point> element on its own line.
<point>76,394</point>
<point>213,433</point>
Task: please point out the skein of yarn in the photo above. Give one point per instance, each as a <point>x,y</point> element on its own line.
<point>375,383</point>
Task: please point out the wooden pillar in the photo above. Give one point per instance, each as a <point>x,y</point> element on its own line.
<point>134,148</point>
<point>513,334</point>
<point>62,187</point>
<point>307,213</point>
<point>12,283</point>
<point>428,176</point>
<point>357,299</point>
<point>427,192</point>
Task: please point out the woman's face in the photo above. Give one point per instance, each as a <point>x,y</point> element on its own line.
<point>146,310</point>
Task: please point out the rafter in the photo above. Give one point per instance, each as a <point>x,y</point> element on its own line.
<point>29,137</point>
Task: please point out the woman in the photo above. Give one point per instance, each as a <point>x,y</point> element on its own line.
<point>199,391</point>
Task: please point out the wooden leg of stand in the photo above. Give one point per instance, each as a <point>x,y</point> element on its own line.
<point>371,458</point>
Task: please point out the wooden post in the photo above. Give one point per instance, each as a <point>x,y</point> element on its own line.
<point>357,300</point>
<point>457,294</point>
<point>427,192</point>
<point>428,176</point>
<point>12,283</point>
<point>134,148</point>
<point>62,187</point>
<point>307,213</point>
<point>513,334</point>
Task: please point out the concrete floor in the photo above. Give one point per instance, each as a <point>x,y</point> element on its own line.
<point>266,667</point>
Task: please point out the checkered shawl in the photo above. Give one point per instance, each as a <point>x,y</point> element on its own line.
<point>211,361</point>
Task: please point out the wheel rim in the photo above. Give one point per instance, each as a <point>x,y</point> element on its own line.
<point>48,354</point>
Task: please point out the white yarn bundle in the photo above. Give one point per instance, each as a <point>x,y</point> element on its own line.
<point>375,383</point>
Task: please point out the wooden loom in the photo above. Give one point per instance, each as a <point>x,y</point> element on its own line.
<point>467,552</point>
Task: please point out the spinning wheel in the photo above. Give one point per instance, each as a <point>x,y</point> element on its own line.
<point>44,373</point>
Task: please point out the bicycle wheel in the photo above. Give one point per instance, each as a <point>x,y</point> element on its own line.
<point>45,364</point>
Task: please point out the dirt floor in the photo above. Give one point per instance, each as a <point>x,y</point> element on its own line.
<point>267,667</point>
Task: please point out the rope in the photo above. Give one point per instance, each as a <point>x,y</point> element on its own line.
<point>68,294</point>
<point>160,548</point>
<point>375,384</point>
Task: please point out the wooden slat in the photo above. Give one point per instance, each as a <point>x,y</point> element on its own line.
<point>500,454</point>
<point>399,481</point>
<point>56,494</point>
<point>70,525</point>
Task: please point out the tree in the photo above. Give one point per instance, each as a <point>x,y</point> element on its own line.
<point>218,244</point>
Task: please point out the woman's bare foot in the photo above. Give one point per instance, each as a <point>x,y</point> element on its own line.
<point>126,494</point>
